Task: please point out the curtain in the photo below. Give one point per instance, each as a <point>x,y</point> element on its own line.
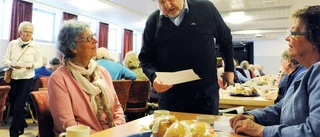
<point>69,16</point>
<point>103,35</point>
<point>21,11</point>
<point>127,42</point>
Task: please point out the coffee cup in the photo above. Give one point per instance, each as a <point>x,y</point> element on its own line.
<point>76,131</point>
<point>158,113</point>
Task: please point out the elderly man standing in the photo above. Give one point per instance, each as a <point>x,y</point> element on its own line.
<point>182,35</point>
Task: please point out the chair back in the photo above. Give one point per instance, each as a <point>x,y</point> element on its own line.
<point>45,121</point>
<point>122,88</point>
<point>138,96</point>
<point>4,90</point>
<point>41,82</point>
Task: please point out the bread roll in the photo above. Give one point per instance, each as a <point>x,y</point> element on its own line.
<point>161,124</point>
<point>201,129</point>
<point>178,129</point>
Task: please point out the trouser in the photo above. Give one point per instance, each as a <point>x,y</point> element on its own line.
<point>18,96</point>
<point>204,101</point>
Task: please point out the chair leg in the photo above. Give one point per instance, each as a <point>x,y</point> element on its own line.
<point>31,113</point>
<point>7,115</point>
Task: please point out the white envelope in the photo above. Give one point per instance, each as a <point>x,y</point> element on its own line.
<point>177,77</point>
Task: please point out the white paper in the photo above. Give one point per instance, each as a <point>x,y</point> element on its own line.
<point>177,77</point>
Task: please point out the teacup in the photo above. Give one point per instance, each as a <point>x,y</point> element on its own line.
<point>76,131</point>
<point>158,113</point>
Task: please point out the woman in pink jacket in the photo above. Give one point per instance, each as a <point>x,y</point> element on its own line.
<point>81,92</point>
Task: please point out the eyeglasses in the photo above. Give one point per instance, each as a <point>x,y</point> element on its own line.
<point>87,39</point>
<point>292,34</point>
<point>30,32</point>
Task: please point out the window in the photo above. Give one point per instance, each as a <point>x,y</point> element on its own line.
<point>5,17</point>
<point>46,22</point>
<point>137,41</point>
<point>115,38</point>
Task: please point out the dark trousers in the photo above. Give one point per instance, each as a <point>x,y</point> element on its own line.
<point>204,101</point>
<point>18,96</point>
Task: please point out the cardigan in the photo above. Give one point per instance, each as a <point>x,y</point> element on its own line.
<point>31,56</point>
<point>70,105</point>
<point>298,113</point>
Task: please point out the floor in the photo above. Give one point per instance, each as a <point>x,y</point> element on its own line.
<point>31,131</point>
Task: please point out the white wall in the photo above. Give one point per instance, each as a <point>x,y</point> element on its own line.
<point>3,48</point>
<point>268,53</point>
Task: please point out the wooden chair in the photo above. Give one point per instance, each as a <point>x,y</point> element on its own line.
<point>122,88</point>
<point>4,90</point>
<point>138,97</point>
<point>41,82</point>
<point>45,121</point>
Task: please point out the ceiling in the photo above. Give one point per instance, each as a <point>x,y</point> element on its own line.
<point>269,17</point>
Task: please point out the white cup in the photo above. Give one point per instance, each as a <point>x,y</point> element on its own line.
<point>76,131</point>
<point>158,113</point>
<point>206,118</point>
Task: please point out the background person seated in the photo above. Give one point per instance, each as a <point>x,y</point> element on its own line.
<point>244,69</point>
<point>42,71</point>
<point>132,62</point>
<point>116,70</point>
<point>54,64</point>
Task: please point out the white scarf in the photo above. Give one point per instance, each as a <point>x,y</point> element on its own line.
<point>22,42</point>
<point>94,88</point>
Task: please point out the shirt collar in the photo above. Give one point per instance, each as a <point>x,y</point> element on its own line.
<point>186,7</point>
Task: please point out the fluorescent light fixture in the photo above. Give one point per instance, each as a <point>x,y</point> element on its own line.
<point>237,18</point>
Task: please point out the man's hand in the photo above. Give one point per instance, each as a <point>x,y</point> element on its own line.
<point>159,86</point>
<point>227,79</point>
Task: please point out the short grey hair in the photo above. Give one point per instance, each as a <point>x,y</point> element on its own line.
<point>25,24</point>
<point>70,30</point>
<point>285,55</point>
<point>244,64</point>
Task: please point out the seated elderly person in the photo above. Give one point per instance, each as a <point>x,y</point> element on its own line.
<point>116,70</point>
<point>132,62</point>
<point>54,64</point>
<point>298,113</point>
<point>80,91</point>
<point>42,71</point>
<point>292,68</point>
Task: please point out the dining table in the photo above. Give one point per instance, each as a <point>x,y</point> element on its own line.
<point>221,126</point>
<point>249,102</point>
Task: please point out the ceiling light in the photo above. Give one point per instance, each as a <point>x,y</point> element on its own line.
<point>237,18</point>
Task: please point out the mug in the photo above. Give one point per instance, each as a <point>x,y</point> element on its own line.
<point>76,131</point>
<point>206,118</point>
<point>158,113</point>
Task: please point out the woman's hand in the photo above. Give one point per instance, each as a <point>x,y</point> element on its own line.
<point>159,86</point>
<point>244,124</point>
